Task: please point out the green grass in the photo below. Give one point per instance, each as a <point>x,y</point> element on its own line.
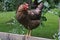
<point>49,28</point>
<point>6,16</point>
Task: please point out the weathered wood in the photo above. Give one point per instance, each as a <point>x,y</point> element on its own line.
<point>9,36</point>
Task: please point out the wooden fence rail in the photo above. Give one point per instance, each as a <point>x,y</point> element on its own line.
<point>10,36</point>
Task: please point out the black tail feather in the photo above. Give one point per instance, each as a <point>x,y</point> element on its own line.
<point>40,6</point>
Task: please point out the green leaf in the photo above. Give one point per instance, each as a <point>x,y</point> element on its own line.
<point>46,4</point>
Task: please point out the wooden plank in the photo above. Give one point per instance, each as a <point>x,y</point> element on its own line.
<point>10,36</point>
<point>3,36</point>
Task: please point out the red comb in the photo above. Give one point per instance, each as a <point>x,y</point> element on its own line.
<point>25,6</point>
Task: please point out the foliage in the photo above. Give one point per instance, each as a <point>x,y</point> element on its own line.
<point>10,5</point>
<point>1,6</point>
<point>55,11</point>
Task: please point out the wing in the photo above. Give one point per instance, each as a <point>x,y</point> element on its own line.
<point>33,15</point>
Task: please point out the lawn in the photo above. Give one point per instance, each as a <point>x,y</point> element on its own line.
<point>49,28</point>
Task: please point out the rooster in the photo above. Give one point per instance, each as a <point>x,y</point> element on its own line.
<point>29,18</point>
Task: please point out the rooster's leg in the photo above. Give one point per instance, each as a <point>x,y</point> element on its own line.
<point>29,33</point>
